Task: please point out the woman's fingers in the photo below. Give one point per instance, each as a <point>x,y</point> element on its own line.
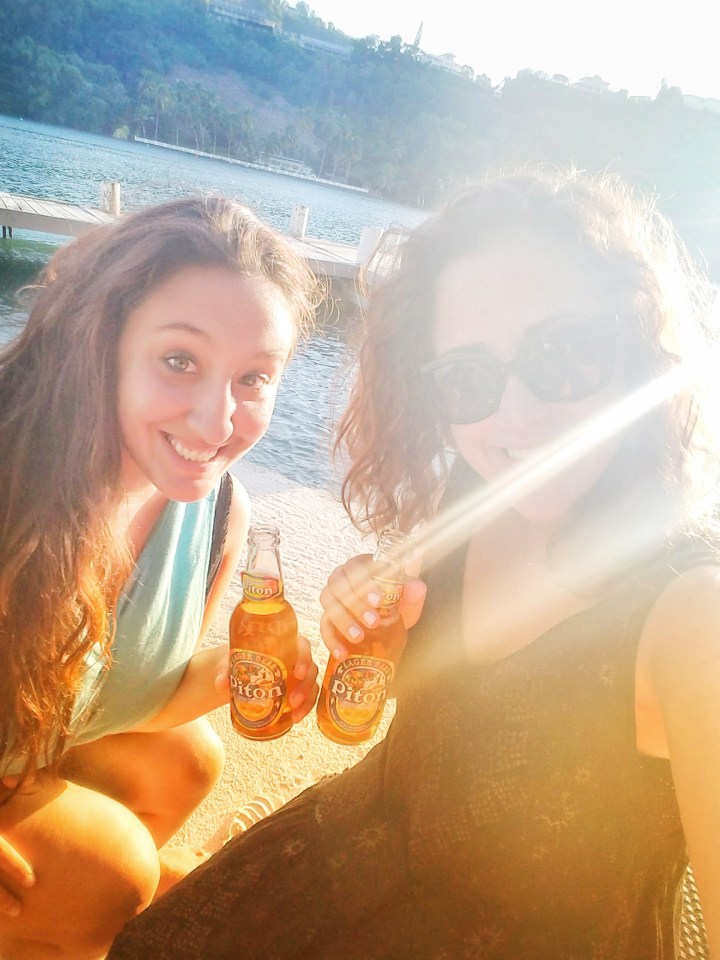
<point>222,670</point>
<point>350,601</point>
<point>412,602</point>
<point>302,699</point>
<point>14,869</point>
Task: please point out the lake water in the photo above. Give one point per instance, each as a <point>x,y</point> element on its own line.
<point>61,164</point>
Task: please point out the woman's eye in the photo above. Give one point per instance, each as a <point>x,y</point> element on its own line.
<point>255,381</point>
<point>180,362</point>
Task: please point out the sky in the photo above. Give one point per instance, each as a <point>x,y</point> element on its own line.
<point>632,44</point>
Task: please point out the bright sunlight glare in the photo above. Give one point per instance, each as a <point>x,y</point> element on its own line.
<point>480,508</point>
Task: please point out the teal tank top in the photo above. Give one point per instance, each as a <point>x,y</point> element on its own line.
<point>158,621</point>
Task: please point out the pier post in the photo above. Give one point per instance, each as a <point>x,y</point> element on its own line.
<point>370,239</point>
<point>298,221</point>
<point>110,197</point>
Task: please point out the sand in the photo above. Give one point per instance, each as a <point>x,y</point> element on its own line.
<point>315,536</point>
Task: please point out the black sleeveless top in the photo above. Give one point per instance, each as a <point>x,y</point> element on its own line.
<point>534,827</point>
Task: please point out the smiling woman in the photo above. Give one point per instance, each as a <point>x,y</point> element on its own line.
<point>199,364</point>
<point>149,363</point>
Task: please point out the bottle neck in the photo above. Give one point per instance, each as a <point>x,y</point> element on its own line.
<point>262,578</point>
<point>389,563</point>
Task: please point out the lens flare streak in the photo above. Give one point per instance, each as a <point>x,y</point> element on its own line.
<point>478,509</point>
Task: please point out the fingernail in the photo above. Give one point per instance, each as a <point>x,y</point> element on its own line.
<point>374,599</point>
<point>296,698</point>
<point>355,633</point>
<point>12,910</point>
<point>370,618</point>
<point>339,653</point>
<point>301,671</point>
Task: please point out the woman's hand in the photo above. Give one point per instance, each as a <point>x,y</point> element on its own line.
<point>350,601</point>
<point>303,696</point>
<point>15,872</point>
<point>304,689</point>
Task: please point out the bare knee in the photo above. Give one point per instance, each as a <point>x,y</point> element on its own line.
<point>118,897</point>
<point>160,776</point>
<point>200,758</point>
<point>192,762</point>
<point>96,867</point>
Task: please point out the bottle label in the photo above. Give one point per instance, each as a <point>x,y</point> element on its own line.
<point>258,684</point>
<point>261,588</point>
<point>391,593</point>
<point>357,692</point>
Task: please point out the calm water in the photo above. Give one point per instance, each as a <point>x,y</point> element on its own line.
<point>61,164</point>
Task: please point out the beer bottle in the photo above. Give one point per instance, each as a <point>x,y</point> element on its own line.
<point>263,643</point>
<point>355,688</point>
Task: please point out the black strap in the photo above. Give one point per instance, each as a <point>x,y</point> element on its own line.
<point>219,532</point>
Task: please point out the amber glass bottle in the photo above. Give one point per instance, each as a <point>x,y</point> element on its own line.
<point>355,689</point>
<point>263,643</point>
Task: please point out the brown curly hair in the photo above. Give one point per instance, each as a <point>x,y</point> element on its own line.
<point>61,565</point>
<point>398,445</point>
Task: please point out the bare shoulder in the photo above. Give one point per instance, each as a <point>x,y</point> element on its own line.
<point>685,618</point>
<point>679,652</point>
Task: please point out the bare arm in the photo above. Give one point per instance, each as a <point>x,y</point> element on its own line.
<point>679,661</point>
<point>204,686</point>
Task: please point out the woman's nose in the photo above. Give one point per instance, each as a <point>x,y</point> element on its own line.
<point>212,413</point>
<point>518,403</point>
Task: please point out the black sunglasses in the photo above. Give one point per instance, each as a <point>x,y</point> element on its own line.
<point>560,362</point>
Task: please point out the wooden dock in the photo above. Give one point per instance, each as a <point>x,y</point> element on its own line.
<point>336,261</point>
<point>48,216</point>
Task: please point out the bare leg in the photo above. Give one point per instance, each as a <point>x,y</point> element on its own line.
<point>162,777</point>
<point>92,837</point>
<point>96,867</point>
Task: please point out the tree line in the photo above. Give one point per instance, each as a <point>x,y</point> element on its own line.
<point>381,118</point>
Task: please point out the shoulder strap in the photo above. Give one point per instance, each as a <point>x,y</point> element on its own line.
<point>219,531</point>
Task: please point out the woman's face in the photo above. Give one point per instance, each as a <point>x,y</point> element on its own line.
<point>199,363</point>
<point>525,289</point>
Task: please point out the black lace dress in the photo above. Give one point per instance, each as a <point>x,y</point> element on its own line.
<point>506,815</point>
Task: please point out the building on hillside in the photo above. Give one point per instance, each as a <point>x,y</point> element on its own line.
<point>701,103</point>
<point>235,11</point>
<point>446,61</point>
<point>321,46</point>
<point>594,84</point>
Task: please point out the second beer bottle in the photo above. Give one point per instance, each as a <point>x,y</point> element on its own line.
<point>263,643</point>
<point>355,689</point>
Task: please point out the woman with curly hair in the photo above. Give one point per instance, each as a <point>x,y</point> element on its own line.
<point>534,400</point>
<point>149,364</point>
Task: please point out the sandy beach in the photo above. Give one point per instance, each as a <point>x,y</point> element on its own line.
<point>315,536</point>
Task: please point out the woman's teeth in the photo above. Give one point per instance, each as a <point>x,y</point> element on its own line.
<point>191,455</point>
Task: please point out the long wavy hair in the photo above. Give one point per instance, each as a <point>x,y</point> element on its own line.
<point>61,562</point>
<point>665,471</point>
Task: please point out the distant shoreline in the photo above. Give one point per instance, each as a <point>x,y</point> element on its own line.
<point>267,168</point>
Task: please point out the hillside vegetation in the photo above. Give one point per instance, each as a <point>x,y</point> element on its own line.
<point>382,118</point>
